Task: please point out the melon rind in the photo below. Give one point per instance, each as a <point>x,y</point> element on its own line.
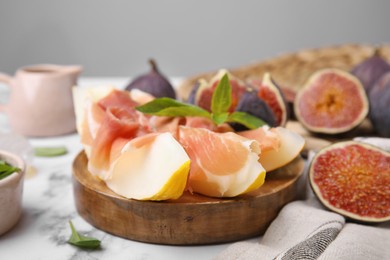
<point>317,191</point>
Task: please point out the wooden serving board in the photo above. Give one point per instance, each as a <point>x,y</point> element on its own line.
<point>191,219</point>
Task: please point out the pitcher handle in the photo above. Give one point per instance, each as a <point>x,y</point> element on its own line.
<point>4,78</point>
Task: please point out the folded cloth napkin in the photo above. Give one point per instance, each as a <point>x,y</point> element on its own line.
<point>306,230</point>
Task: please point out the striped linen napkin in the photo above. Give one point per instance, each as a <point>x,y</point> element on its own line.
<point>306,230</point>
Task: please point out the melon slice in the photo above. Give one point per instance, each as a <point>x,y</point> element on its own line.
<point>279,145</point>
<point>150,167</point>
<point>291,144</point>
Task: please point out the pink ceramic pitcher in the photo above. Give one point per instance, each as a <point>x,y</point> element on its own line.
<point>40,102</point>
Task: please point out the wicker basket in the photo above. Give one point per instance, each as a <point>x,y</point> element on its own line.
<point>291,70</point>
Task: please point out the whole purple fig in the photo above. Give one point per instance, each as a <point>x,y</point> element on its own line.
<point>379,99</point>
<point>370,70</point>
<point>153,83</point>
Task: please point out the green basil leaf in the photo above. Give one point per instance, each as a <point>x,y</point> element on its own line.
<point>82,241</point>
<point>159,104</point>
<point>220,104</point>
<point>183,111</point>
<point>50,151</point>
<point>171,107</point>
<point>222,96</point>
<point>6,170</point>
<point>220,118</point>
<point>246,119</point>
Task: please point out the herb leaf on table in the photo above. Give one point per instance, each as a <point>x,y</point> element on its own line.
<point>50,151</point>
<point>81,241</point>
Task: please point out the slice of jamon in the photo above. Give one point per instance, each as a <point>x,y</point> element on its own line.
<point>164,124</point>
<point>290,145</point>
<point>92,119</point>
<point>117,98</point>
<point>118,122</point>
<point>172,124</point>
<point>268,138</point>
<point>117,128</point>
<point>91,105</point>
<point>202,122</point>
<point>279,145</point>
<point>222,164</point>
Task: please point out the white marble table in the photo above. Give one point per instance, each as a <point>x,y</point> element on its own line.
<point>48,205</point>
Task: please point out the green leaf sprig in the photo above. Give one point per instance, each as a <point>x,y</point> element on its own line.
<point>6,169</point>
<point>220,104</point>
<point>82,241</point>
<point>50,151</point>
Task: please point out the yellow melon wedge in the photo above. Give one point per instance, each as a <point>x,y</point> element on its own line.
<point>156,170</point>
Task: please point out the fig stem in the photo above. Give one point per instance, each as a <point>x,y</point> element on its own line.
<point>153,65</point>
<point>377,51</point>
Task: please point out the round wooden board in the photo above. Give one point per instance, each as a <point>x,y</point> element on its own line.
<point>192,219</point>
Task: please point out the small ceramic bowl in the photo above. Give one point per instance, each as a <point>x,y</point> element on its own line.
<point>11,191</point>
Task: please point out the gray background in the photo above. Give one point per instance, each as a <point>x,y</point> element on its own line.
<point>116,38</point>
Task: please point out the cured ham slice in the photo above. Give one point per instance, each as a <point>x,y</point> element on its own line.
<point>222,164</point>
<point>117,98</point>
<point>172,124</point>
<point>116,122</point>
<point>91,104</point>
<point>267,137</point>
<point>164,124</point>
<point>290,145</point>
<point>279,145</point>
<point>202,122</point>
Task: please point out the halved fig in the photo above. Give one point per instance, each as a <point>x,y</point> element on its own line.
<point>270,93</point>
<point>353,179</point>
<point>202,93</point>
<point>332,101</point>
<point>289,95</point>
